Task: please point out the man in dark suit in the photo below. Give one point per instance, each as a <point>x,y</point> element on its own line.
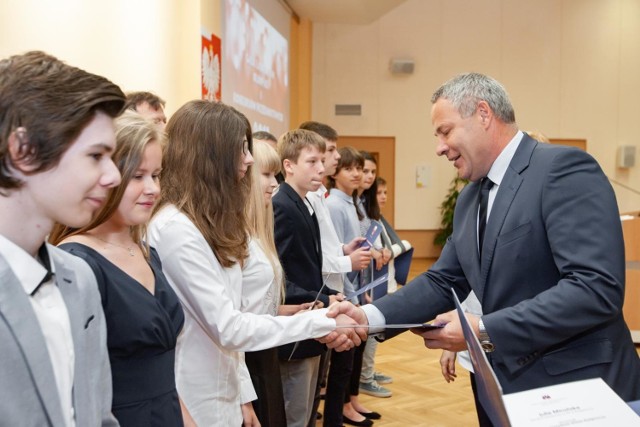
<point>56,140</point>
<point>297,238</point>
<point>543,252</point>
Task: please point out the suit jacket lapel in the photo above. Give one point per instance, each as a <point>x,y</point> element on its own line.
<point>506,193</point>
<point>312,222</point>
<point>18,313</point>
<point>314,227</point>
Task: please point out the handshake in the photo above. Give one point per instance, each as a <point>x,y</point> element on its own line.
<point>351,327</point>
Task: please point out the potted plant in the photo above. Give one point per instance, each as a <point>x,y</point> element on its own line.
<point>446,210</point>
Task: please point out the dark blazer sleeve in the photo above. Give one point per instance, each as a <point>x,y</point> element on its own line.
<point>427,295</point>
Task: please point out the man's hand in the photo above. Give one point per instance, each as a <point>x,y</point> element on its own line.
<point>360,259</point>
<point>352,245</point>
<point>448,365</point>
<point>344,338</point>
<point>451,336</point>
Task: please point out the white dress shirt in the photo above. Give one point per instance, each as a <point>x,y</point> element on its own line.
<point>496,174</point>
<point>52,315</point>
<point>500,166</point>
<point>334,261</point>
<point>209,366</point>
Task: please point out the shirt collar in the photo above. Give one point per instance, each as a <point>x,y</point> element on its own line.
<point>500,165</point>
<point>26,268</point>
<point>341,194</point>
<point>320,192</point>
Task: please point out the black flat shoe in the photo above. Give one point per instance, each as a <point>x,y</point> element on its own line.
<point>364,423</point>
<point>373,415</point>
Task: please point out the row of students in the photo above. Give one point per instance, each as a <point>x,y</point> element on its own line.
<point>199,234</point>
<point>57,167</point>
<point>343,206</point>
<point>203,238</point>
<point>340,256</point>
<point>327,220</point>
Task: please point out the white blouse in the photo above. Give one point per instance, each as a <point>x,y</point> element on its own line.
<point>261,291</point>
<point>211,377</point>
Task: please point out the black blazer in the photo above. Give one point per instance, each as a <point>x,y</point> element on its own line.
<point>297,237</point>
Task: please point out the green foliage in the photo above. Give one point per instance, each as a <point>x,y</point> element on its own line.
<point>446,210</point>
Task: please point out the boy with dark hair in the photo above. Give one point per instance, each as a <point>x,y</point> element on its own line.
<point>56,140</point>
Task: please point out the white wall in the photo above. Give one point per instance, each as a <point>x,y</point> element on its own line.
<point>138,44</point>
<point>150,45</point>
<point>572,68</point>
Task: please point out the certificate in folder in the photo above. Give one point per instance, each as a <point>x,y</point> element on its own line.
<point>583,403</point>
<point>423,326</point>
<point>489,390</point>
<point>372,234</point>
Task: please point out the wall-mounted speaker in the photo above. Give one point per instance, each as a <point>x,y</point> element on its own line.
<point>626,156</point>
<point>401,66</point>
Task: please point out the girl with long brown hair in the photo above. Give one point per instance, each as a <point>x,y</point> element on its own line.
<point>203,238</point>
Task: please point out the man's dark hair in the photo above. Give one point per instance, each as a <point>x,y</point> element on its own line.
<point>264,136</point>
<point>136,98</point>
<point>325,131</point>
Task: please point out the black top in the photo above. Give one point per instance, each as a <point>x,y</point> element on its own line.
<point>142,330</point>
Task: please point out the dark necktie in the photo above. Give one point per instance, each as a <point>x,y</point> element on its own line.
<point>483,202</point>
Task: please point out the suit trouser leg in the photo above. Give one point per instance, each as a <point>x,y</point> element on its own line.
<point>322,374</point>
<point>483,418</point>
<point>299,379</point>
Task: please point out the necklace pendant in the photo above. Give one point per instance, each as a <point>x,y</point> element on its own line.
<point>131,253</point>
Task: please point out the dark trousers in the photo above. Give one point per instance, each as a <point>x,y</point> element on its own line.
<point>483,418</point>
<point>354,385</point>
<point>264,369</point>
<point>338,386</point>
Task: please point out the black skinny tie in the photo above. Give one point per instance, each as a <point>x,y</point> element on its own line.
<point>483,202</point>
